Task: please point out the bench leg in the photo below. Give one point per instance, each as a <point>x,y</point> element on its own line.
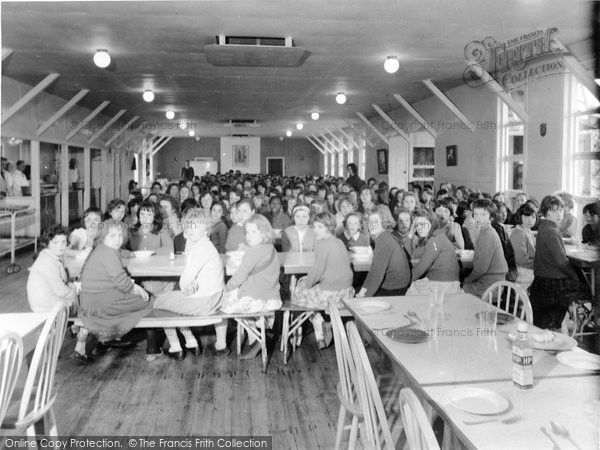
<point>263,342</point>
<point>240,337</point>
<point>285,330</point>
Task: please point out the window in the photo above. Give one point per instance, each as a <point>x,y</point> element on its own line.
<point>362,153</point>
<point>332,163</point>
<point>582,176</point>
<point>326,164</point>
<point>341,166</point>
<point>512,145</point>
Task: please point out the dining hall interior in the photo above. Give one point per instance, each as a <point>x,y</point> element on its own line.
<point>301,225</point>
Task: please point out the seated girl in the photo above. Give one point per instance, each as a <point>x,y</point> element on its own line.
<point>206,201</point>
<point>568,226</point>
<point>201,286</point>
<point>344,207</point>
<point>438,264</point>
<point>219,231</point>
<point>390,270</point>
<point>330,276</point>
<point>116,210</point>
<point>132,207</point>
<point>110,303</point>
<point>179,240</point>
<point>443,210</point>
<point>353,235</point>
<point>81,240</point>
<point>590,234</point>
<point>555,284</point>
<point>236,236</point>
<point>169,208</point>
<point>150,233</point>
<point>489,263</point>
<point>47,282</point>
<point>299,237</point>
<point>403,224</point>
<point>254,287</point>
<point>523,244</point>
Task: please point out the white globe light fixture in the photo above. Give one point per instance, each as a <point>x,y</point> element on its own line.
<point>288,133</point>
<point>315,116</point>
<point>183,125</point>
<point>299,126</point>
<point>191,133</point>
<point>391,64</point>
<point>102,58</point>
<point>340,98</point>
<point>170,115</point>
<point>148,96</point>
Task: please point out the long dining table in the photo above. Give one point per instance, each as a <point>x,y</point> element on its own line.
<point>459,354</point>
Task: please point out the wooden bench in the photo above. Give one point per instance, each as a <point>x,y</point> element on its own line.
<point>245,322</point>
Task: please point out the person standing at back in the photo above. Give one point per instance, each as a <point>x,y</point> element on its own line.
<point>353,178</point>
<point>187,172</point>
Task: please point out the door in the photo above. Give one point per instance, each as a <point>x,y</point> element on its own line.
<point>275,166</point>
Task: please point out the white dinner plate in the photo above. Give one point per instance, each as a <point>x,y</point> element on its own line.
<point>144,253</point>
<point>561,342</point>
<point>372,306</point>
<point>580,360</point>
<point>477,401</point>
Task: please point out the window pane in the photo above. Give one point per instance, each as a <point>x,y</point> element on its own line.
<point>515,142</point>
<point>588,139</point>
<point>587,178</point>
<point>515,175</point>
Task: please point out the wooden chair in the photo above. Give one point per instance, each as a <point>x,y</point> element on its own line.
<point>11,356</point>
<point>374,431</point>
<point>346,388</point>
<point>503,291</point>
<point>419,434</point>
<point>38,395</point>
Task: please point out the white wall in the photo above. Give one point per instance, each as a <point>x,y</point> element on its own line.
<point>398,162</point>
<point>227,144</point>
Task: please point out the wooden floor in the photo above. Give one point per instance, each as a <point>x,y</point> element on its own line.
<point>122,394</point>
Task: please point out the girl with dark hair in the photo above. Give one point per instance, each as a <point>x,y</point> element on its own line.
<point>179,241</point>
<point>555,284</point>
<point>132,207</point>
<point>219,230</point>
<point>453,231</point>
<point>438,264</point>
<point>173,190</point>
<point>149,232</point>
<point>169,208</point>
<point>489,263</point>
<point>205,202</point>
<point>523,244</point>
<point>590,234</point>
<point>236,237</point>
<point>81,239</point>
<point>47,282</point>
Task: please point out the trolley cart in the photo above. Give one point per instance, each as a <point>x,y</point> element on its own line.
<point>7,246</point>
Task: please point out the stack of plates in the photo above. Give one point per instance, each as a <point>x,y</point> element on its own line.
<point>477,401</point>
<point>371,306</point>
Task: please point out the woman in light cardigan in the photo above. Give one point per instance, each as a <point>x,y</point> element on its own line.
<point>300,237</point>
<point>523,244</point>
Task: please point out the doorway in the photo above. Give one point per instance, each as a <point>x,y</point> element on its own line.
<point>275,166</point>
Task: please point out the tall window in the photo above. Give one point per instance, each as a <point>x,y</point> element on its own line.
<point>326,164</point>
<point>512,145</point>
<point>332,162</point>
<point>362,153</point>
<point>341,165</point>
<point>582,176</point>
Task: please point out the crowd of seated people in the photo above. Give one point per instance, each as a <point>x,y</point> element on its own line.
<point>414,235</point>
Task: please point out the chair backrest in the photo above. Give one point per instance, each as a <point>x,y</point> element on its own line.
<point>38,394</point>
<point>345,361</point>
<point>502,291</point>
<point>376,430</point>
<point>419,434</point>
<point>11,356</point>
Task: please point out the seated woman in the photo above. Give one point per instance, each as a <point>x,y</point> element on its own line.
<point>47,282</point>
<point>300,237</point>
<point>555,284</point>
<point>453,231</point>
<point>81,240</point>
<point>132,207</point>
<point>179,240</point>
<point>523,244</point>
<point>390,270</point>
<point>116,210</point>
<point>254,287</point>
<point>438,264</point>
<point>489,263</point>
<point>590,234</point>
<point>353,235</point>
<point>201,286</point>
<point>403,224</point>
<point>344,207</point>
<point>219,231</point>
<point>330,276</point>
<point>236,236</point>
<point>568,227</point>
<point>150,233</point>
<point>110,303</point>
<point>169,208</point>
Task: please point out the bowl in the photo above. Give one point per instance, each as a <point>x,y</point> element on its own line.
<point>144,253</point>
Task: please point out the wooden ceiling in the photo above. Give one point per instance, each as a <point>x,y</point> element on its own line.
<point>160,46</point>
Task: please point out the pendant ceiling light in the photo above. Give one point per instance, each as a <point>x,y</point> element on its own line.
<point>102,58</point>
<point>391,64</point>
<point>340,98</point>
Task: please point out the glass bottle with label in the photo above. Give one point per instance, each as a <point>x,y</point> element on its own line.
<point>522,359</point>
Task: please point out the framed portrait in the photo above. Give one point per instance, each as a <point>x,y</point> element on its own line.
<point>382,161</point>
<point>451,155</point>
<point>240,155</point>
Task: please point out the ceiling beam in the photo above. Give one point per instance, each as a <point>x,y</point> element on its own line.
<point>315,145</point>
<point>157,142</point>
<point>372,127</point>
<point>322,144</point>
<point>350,138</point>
<point>344,146</point>
<point>361,133</point>
<point>163,143</point>
<point>6,52</point>
<point>29,96</point>
<point>332,146</point>
<point>118,133</point>
<point>451,106</point>
<point>88,119</point>
<point>106,125</point>
<point>62,111</point>
<point>426,126</point>
<point>130,135</point>
<point>394,125</point>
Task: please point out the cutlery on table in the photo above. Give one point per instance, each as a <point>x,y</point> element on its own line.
<point>547,433</point>
<point>560,430</point>
<point>506,421</point>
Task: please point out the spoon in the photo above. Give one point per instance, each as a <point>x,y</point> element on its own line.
<point>549,436</point>
<point>562,431</point>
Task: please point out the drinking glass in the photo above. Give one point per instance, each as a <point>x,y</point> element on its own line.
<point>487,321</point>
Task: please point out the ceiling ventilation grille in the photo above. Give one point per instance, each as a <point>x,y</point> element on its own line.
<point>255,52</point>
<point>242,123</point>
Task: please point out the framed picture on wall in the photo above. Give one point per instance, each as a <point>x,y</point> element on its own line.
<point>240,155</point>
<point>382,161</point>
<point>451,155</point>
